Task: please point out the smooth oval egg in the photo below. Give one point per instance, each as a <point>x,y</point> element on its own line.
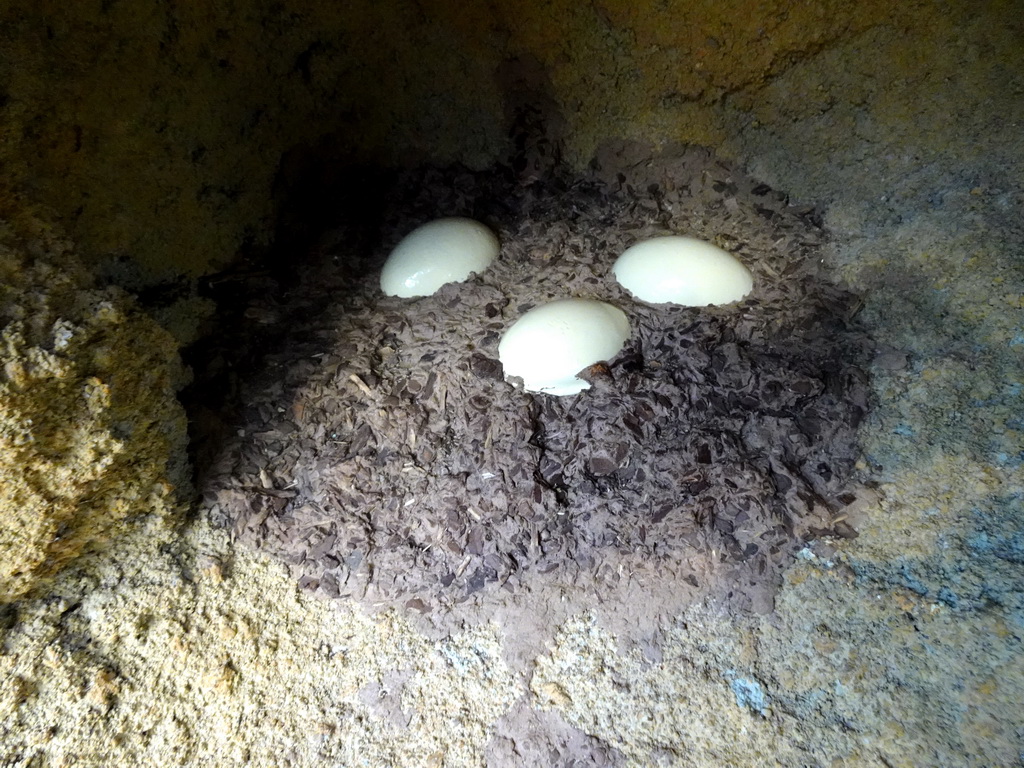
<point>682,270</point>
<point>441,251</point>
<point>552,343</point>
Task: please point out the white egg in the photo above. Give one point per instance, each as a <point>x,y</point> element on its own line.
<point>682,270</point>
<point>441,251</point>
<point>552,343</point>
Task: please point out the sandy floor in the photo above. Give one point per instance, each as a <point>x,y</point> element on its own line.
<point>900,648</point>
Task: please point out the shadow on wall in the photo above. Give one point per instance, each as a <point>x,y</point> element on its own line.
<point>323,186</point>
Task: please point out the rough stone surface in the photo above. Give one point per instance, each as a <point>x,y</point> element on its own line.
<point>221,102</point>
<point>902,647</point>
<point>90,429</point>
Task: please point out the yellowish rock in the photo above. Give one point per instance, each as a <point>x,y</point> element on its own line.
<point>90,430</point>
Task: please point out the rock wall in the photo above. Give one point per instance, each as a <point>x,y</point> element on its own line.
<point>90,430</point>
<point>156,132</point>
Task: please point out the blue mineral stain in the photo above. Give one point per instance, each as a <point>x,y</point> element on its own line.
<point>1016,618</point>
<point>1007,460</point>
<point>979,542</point>
<point>910,579</point>
<point>949,597</point>
<point>904,430</point>
<point>1009,547</point>
<point>749,693</point>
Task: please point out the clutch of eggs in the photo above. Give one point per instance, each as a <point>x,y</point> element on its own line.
<point>551,344</point>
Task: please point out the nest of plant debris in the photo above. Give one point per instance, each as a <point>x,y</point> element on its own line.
<point>382,456</point>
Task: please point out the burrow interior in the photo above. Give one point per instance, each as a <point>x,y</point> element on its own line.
<point>245,170</point>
